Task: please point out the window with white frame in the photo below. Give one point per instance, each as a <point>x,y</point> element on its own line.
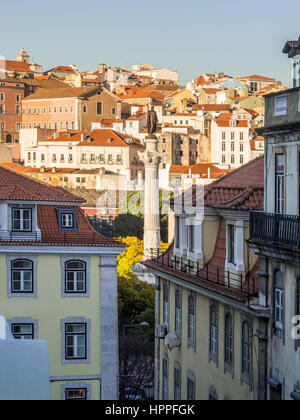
<point>192,320</point>
<point>280,105</point>
<point>75,341</point>
<point>67,220</point>
<point>75,277</point>
<point>278,300</point>
<point>213,346</point>
<point>279,183</point>
<point>192,237</point>
<point>230,244</point>
<point>177,231</point>
<point>178,310</point>
<point>177,382</point>
<point>22,331</point>
<point>22,276</point>
<point>21,220</point>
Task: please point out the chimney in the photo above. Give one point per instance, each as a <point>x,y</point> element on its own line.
<point>43,169</point>
<point>101,68</point>
<point>208,173</point>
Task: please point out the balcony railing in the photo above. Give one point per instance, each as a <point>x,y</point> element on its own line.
<point>275,229</point>
<point>215,276</point>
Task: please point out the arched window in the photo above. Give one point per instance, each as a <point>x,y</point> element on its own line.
<point>212,394</point>
<point>22,276</point>
<point>9,138</point>
<point>178,310</point>
<point>192,320</point>
<point>191,387</point>
<point>246,349</point>
<point>177,381</point>
<point>75,277</point>
<point>278,299</point>
<point>228,341</point>
<point>213,331</point>
<point>166,304</point>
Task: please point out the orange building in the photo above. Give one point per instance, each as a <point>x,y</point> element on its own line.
<point>69,108</point>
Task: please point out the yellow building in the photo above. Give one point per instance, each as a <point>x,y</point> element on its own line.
<point>206,340</point>
<point>180,100</point>
<point>59,284</point>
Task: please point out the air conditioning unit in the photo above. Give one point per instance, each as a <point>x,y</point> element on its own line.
<point>161,331</point>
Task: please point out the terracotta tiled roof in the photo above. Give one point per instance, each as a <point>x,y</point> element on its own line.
<point>14,186</point>
<point>224,121</point>
<point>212,107</point>
<point>11,65</point>
<point>85,235</point>
<point>142,94</point>
<point>62,69</point>
<point>200,168</point>
<point>256,76</point>
<point>66,92</point>
<point>111,138</point>
<point>240,189</point>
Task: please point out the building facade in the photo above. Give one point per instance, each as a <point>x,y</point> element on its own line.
<point>59,284</point>
<point>275,238</point>
<point>205,330</point>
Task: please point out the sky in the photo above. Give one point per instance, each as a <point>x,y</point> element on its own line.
<point>190,36</point>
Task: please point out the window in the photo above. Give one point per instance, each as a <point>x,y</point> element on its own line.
<point>101,158</point>
<point>192,321</point>
<point>279,183</point>
<point>223,158</point>
<point>178,312</point>
<point>223,135</point>
<point>191,238</point>
<point>229,341</point>
<point>177,231</point>
<point>166,304</point>
<point>223,146</point>
<point>280,105</point>
<point>177,382</point>
<point>18,109</point>
<point>2,109</point>
<point>231,243</point>
<point>165,374</point>
<point>84,109</point>
<point>232,159</point>
<point>246,347</point>
<point>21,220</point>
<point>67,220</point>
<point>212,394</point>
<point>75,277</point>
<point>241,159</point>
<point>2,95</point>
<point>113,111</point>
<point>110,158</point>
<point>191,386</point>
<point>241,135</point>
<point>53,158</point>
<point>76,394</point>
<point>232,135</point>
<point>213,332</point>
<point>99,108</point>
<point>278,300</point>
<point>241,147</point>
<point>62,158</point>
<point>23,331</point>
<point>75,339</point>
<point>232,147</point>
<point>22,276</point>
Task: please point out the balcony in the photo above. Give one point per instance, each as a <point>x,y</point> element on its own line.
<point>218,279</point>
<point>279,230</point>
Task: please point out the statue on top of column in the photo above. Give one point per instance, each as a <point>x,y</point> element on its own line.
<point>152,121</point>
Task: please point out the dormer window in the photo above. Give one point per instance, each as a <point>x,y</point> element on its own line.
<point>21,220</point>
<point>67,219</point>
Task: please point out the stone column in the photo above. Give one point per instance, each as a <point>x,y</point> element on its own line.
<point>151,160</point>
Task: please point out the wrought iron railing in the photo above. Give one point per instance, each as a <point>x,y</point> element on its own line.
<point>221,277</point>
<point>277,229</point>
